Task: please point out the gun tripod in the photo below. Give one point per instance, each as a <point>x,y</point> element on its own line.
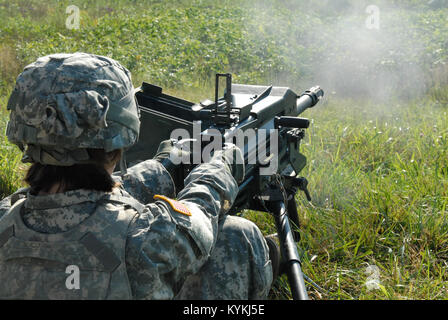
<point>279,201</point>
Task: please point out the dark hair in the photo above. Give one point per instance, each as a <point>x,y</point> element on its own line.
<point>91,176</point>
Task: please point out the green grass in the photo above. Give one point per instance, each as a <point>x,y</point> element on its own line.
<point>377,171</point>
<point>11,168</point>
<point>379,181</point>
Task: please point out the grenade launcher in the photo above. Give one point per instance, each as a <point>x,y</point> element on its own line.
<point>263,121</point>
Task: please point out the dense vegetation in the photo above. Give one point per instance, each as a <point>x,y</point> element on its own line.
<point>377,149</point>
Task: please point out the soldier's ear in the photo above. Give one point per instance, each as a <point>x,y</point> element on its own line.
<point>114,156</point>
<point>112,159</point>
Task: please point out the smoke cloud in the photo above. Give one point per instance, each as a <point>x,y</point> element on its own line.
<point>361,49</point>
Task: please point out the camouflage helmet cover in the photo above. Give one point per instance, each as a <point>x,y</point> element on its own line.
<point>63,104</point>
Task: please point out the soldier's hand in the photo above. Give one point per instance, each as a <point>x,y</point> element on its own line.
<point>234,158</point>
<point>164,150</point>
<point>164,153</point>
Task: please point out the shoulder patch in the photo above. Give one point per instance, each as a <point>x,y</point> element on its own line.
<point>176,205</point>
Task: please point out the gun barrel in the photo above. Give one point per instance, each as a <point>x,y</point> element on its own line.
<point>309,99</point>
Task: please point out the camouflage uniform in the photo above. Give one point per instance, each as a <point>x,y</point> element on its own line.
<point>126,245</point>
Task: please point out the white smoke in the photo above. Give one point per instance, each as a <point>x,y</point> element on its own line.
<point>357,48</point>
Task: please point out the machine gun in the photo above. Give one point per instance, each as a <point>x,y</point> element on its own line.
<point>264,120</point>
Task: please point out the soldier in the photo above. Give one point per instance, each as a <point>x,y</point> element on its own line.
<point>80,232</point>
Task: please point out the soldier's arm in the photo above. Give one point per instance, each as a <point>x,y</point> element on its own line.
<point>176,243</point>
<point>146,179</point>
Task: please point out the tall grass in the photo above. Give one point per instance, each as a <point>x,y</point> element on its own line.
<point>379,179</point>
<point>11,168</point>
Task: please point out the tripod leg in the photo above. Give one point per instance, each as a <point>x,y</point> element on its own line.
<point>289,251</point>
<point>294,217</point>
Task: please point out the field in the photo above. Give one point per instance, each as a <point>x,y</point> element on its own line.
<point>377,149</point>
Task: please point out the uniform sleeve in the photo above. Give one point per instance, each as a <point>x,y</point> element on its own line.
<point>5,204</point>
<point>146,179</point>
<point>166,246</point>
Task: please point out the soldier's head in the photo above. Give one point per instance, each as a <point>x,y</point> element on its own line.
<point>71,112</point>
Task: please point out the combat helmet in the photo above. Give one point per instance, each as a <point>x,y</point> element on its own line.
<point>64,104</point>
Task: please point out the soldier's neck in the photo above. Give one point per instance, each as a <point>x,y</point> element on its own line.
<point>55,188</point>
